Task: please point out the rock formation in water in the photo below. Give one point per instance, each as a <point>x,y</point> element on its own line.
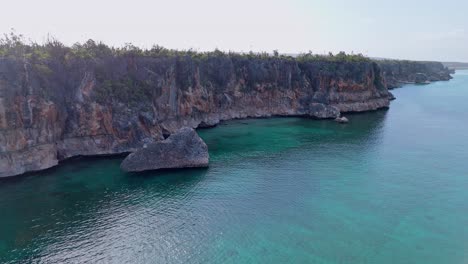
<point>183,149</point>
<point>58,102</point>
<point>342,120</point>
<point>399,72</point>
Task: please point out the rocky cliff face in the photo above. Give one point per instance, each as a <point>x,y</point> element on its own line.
<point>399,72</point>
<point>53,109</point>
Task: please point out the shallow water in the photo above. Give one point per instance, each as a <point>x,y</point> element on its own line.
<point>389,187</point>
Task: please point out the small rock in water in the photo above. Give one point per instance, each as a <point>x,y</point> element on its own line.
<point>183,149</point>
<point>342,120</point>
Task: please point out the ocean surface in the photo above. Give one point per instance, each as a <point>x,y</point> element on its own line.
<point>389,187</point>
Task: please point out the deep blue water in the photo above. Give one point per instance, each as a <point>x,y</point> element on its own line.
<point>389,187</point>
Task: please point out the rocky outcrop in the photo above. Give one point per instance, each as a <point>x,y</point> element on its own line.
<point>183,149</point>
<point>341,120</point>
<point>456,66</point>
<point>32,159</point>
<point>53,108</point>
<point>420,78</point>
<point>399,72</point>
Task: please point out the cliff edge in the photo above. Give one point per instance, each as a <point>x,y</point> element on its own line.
<point>399,72</point>
<point>58,102</point>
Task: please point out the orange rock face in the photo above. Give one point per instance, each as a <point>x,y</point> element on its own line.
<point>118,104</point>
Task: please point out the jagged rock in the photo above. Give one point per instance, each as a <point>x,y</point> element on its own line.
<point>420,78</point>
<point>208,123</point>
<point>183,149</point>
<point>116,104</point>
<point>342,120</point>
<point>323,111</point>
<point>35,159</point>
<point>398,72</point>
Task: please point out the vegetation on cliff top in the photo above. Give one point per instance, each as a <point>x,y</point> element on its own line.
<point>135,85</point>
<point>14,45</point>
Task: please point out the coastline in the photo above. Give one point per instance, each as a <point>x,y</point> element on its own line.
<point>112,104</point>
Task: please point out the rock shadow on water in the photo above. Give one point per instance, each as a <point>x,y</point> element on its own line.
<point>68,166</point>
<point>179,179</point>
<point>171,172</point>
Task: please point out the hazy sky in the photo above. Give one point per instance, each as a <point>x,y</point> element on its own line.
<point>411,29</point>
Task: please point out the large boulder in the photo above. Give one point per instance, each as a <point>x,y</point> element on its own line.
<point>183,149</point>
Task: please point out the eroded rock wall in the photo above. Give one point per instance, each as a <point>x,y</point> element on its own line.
<point>399,72</point>
<point>55,109</point>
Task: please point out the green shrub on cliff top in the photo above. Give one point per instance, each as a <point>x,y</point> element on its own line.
<point>340,57</point>
<point>14,45</point>
<point>90,49</point>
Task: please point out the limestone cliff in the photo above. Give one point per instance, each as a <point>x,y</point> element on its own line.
<point>53,108</point>
<point>399,72</point>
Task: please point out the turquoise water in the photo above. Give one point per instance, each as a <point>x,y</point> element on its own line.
<point>389,187</point>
